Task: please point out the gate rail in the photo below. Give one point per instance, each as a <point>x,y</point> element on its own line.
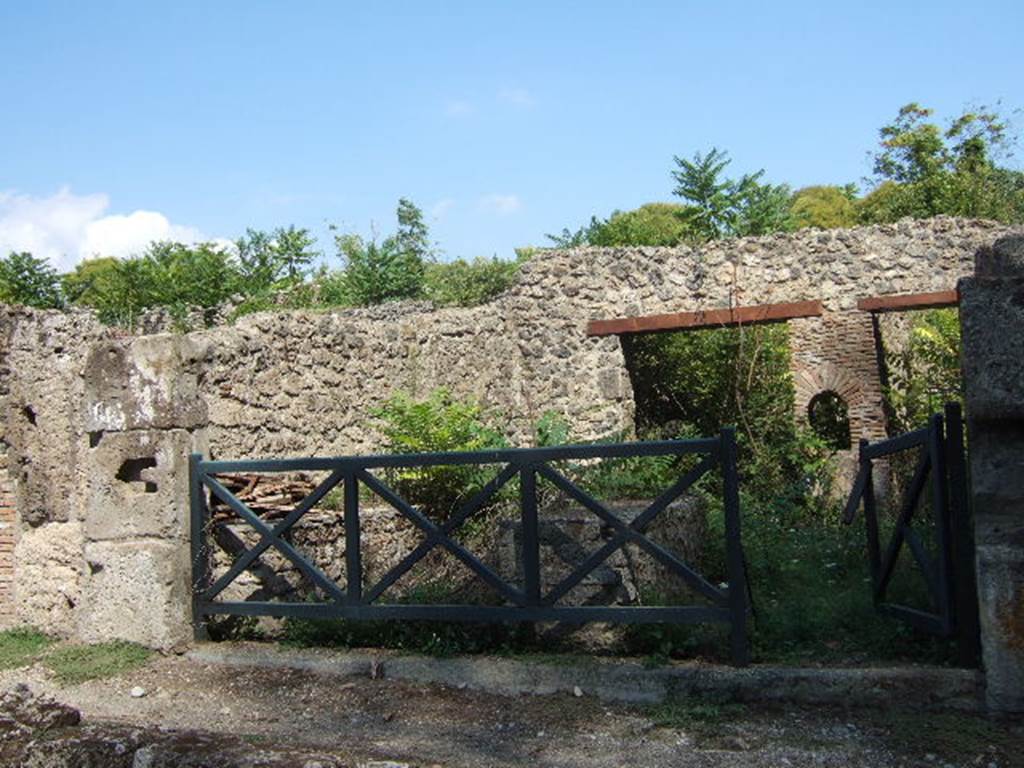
<point>358,601</point>
<point>949,576</point>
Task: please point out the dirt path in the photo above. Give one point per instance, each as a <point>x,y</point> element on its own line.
<point>359,720</point>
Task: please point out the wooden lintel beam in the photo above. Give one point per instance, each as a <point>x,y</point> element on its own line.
<point>903,301</point>
<point>709,318</point>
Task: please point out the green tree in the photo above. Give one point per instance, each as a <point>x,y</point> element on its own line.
<point>721,207</point>
<point>90,281</point>
<point>393,269</point>
<point>179,277</point>
<point>657,224</point>
<point>584,235</point>
<point>825,207</point>
<point>922,170</point>
<point>26,280</point>
<point>925,375</point>
<point>412,236</point>
<point>267,258</point>
<point>187,276</point>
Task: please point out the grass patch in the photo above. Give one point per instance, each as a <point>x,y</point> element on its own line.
<point>693,713</point>
<point>75,664</point>
<point>20,647</point>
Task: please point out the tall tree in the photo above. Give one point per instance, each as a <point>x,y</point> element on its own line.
<point>392,269</point>
<point>825,207</point>
<point>717,206</point>
<point>26,280</point>
<point>267,258</point>
<point>922,170</point>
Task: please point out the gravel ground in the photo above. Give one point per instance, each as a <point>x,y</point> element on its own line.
<point>357,721</point>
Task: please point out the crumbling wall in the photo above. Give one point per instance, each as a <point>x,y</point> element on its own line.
<point>286,384</point>
<point>100,424</point>
<point>99,427</point>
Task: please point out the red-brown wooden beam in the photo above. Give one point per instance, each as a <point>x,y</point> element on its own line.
<point>708,318</point>
<point>897,302</point>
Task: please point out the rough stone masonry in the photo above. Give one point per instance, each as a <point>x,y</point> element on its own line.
<point>99,423</point>
<point>992,318</point>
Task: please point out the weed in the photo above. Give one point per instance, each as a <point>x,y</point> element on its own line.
<point>75,664</point>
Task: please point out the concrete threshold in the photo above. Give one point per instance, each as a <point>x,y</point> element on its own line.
<point>626,680</point>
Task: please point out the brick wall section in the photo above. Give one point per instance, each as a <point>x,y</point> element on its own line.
<point>7,533</point>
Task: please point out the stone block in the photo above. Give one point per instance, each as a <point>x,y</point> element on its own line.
<point>137,591</point>
<point>136,484</point>
<point>149,382</point>
<point>991,316</point>
<point>1001,602</point>
<point>48,576</point>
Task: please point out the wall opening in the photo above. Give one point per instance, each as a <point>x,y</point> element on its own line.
<point>695,382</point>
<point>131,472</point>
<point>829,417</point>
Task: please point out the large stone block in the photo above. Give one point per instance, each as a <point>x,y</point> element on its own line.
<point>48,574</point>
<point>148,382</point>
<point>136,484</point>
<point>991,316</point>
<point>137,591</point>
<point>1001,602</point>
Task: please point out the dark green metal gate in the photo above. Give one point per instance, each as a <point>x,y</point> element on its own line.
<point>948,571</point>
<point>728,603</point>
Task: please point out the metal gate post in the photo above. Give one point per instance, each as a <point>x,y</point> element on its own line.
<point>200,552</point>
<point>962,537</point>
<point>734,551</point>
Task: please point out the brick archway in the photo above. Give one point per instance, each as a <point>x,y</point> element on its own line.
<point>808,383</point>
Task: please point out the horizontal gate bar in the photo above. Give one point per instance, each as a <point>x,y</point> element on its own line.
<point>690,614</point>
<point>896,444</point>
<point>516,456</point>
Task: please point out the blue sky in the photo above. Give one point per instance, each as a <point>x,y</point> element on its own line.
<point>504,121</point>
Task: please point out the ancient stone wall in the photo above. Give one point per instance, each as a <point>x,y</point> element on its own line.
<point>287,384</point>
<point>99,424</point>
<point>99,427</point>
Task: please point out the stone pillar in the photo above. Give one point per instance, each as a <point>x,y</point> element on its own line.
<point>992,321</point>
<point>143,417</point>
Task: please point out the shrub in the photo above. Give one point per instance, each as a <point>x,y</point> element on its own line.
<point>468,283</point>
<point>438,423</point>
<point>926,375</point>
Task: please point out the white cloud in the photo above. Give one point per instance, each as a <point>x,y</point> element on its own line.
<point>459,108</point>
<point>502,205</point>
<point>67,228</point>
<point>440,209</point>
<point>516,97</point>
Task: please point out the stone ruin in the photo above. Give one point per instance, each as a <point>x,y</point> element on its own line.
<point>99,423</point>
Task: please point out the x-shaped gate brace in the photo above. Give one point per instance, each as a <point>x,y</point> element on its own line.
<point>528,603</point>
